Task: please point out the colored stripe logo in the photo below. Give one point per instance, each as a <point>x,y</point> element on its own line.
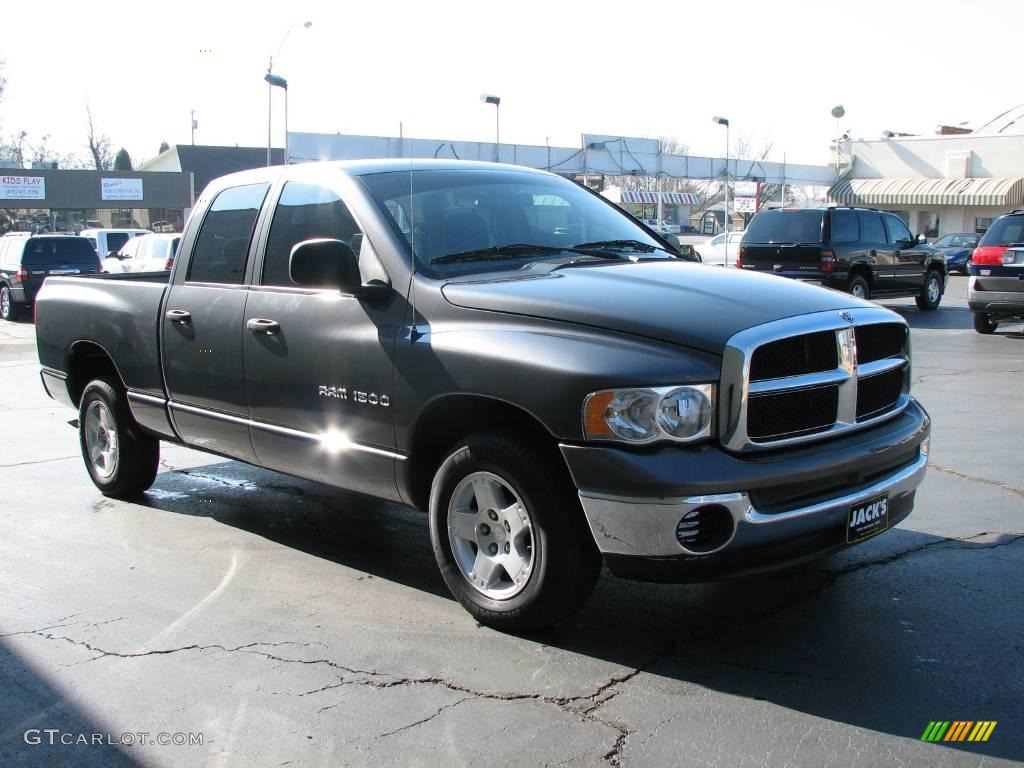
<point>959,730</point>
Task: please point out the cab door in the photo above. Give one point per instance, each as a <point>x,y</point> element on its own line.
<point>202,327</point>
<point>910,259</point>
<point>319,363</point>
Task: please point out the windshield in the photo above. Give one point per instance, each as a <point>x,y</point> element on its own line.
<point>783,226</point>
<point>442,213</point>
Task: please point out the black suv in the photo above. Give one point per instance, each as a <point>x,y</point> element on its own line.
<point>863,251</point>
<point>27,260</point>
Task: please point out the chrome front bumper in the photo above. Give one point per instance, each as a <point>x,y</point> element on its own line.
<point>647,527</point>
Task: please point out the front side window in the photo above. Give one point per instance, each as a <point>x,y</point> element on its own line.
<point>452,212</point>
<point>223,242</point>
<point>898,232</point>
<point>306,212</point>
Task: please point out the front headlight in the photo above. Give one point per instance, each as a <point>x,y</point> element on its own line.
<point>682,414</point>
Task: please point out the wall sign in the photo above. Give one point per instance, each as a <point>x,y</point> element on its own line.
<point>121,189</point>
<point>23,187</point>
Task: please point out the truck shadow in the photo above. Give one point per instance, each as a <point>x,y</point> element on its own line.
<point>901,630</point>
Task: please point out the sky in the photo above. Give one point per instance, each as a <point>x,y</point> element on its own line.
<point>652,69</point>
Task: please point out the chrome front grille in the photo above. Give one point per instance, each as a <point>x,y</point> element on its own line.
<point>810,377</point>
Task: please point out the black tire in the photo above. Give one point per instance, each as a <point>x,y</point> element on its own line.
<point>565,561</point>
<point>931,291</point>
<point>134,455</point>
<point>8,310</point>
<point>984,323</point>
<point>859,287</point>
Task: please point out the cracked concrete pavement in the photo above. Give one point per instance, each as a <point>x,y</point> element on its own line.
<point>292,624</point>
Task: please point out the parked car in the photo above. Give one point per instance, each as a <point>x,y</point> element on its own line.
<point>538,373</point>
<point>146,253</point>
<point>665,226</point>
<point>26,260</point>
<point>958,248</point>
<point>108,241</point>
<point>863,251</point>
<point>995,290</point>
<point>716,251</point>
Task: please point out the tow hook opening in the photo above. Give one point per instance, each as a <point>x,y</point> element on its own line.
<point>705,529</point>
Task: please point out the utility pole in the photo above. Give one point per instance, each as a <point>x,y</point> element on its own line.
<point>194,126</point>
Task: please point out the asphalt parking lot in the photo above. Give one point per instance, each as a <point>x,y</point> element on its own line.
<point>282,623</point>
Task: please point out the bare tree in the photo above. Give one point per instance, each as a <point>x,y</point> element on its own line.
<point>99,145</point>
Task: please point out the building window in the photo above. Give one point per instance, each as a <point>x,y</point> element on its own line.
<point>929,221</point>
<point>981,224</point>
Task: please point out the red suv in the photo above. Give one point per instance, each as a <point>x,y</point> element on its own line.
<point>996,289</point>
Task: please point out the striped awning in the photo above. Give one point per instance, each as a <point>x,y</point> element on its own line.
<point>667,198</point>
<point>992,191</point>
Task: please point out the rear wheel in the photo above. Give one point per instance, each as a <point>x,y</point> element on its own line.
<point>509,535</point>
<point>121,459</point>
<point>984,323</point>
<point>6,303</point>
<point>859,288</point>
<point>931,291</point>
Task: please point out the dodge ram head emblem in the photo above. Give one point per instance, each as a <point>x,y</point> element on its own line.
<point>846,316</point>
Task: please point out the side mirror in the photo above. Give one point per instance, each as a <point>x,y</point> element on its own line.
<point>326,263</point>
<point>922,239</point>
<point>113,255</point>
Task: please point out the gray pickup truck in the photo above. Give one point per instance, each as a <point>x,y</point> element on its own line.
<point>506,350</point>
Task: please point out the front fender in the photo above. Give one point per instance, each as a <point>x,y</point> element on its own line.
<point>541,367</point>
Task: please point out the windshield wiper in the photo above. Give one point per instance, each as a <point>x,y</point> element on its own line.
<point>497,252</point>
<point>634,245</point>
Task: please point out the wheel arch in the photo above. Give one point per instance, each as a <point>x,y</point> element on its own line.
<point>450,418</point>
<point>86,361</point>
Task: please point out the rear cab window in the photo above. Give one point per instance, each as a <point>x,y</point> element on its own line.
<point>222,246</point>
<point>785,226</point>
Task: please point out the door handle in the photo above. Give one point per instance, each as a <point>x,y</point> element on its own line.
<point>179,316</point>
<point>260,325</point>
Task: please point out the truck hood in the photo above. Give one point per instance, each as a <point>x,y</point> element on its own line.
<point>685,303</point>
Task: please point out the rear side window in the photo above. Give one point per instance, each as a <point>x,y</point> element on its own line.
<point>223,242</point>
<point>115,240</point>
<point>845,227</point>
<point>898,231</point>
<point>780,226</point>
<point>1004,231</point>
<point>305,212</point>
<point>62,250</point>
<point>871,227</point>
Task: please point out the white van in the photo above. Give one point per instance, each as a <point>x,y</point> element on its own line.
<point>106,241</point>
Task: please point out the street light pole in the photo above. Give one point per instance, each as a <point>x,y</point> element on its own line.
<point>724,121</point>
<point>837,112</point>
<point>496,101</point>
<point>276,81</point>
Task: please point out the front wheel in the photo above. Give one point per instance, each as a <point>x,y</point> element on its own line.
<point>6,303</point>
<point>509,535</point>
<point>931,291</point>
<point>121,459</point>
<point>984,323</point>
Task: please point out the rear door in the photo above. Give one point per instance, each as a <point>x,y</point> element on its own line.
<point>319,364</point>
<point>879,252</point>
<point>784,241</point>
<point>202,327</point>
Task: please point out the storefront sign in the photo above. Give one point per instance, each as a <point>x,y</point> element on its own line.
<point>22,188</point>
<point>121,189</point>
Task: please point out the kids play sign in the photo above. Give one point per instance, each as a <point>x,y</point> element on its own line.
<point>22,188</point>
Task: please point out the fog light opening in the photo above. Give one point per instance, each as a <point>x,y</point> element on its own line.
<point>705,529</point>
